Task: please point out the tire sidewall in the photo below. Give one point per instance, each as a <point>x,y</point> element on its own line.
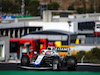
<point>25,60</point>
<point>71,63</point>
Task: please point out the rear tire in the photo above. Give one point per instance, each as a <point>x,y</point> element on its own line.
<point>72,68</point>
<point>25,60</point>
<point>72,63</point>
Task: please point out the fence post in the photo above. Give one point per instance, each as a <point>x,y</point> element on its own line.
<point>82,59</point>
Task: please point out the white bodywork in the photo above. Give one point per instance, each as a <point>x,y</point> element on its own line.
<point>38,60</point>
<point>52,51</point>
<point>24,50</point>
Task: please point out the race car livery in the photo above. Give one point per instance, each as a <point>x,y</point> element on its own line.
<point>48,58</point>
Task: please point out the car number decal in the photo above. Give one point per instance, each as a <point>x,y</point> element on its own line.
<point>38,60</point>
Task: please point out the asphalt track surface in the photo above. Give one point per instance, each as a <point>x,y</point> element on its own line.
<point>15,67</point>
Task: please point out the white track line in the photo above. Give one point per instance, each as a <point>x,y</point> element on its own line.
<point>88,64</point>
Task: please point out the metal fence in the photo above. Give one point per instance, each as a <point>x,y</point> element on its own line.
<point>92,40</point>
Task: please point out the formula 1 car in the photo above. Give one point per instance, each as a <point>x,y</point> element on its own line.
<point>48,58</point>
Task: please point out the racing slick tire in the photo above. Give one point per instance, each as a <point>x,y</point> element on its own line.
<point>71,63</point>
<point>25,60</point>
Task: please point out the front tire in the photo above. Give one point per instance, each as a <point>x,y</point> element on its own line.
<point>25,60</point>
